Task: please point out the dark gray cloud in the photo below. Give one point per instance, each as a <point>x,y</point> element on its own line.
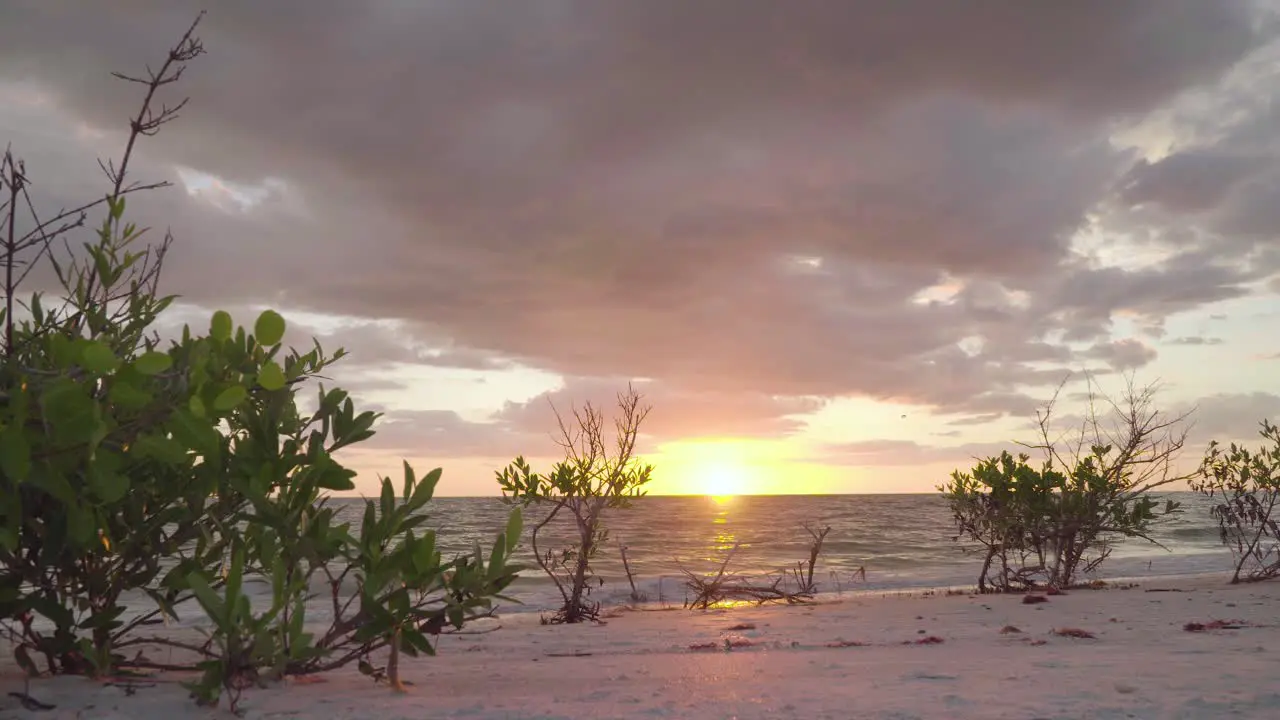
<point>1191,181</point>
<point>1126,354</point>
<point>756,206</point>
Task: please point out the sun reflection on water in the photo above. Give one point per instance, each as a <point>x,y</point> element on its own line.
<point>723,538</point>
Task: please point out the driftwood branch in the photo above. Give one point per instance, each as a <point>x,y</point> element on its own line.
<point>724,587</point>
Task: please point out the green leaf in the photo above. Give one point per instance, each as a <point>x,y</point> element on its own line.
<point>229,398</point>
<point>196,406</point>
<point>271,377</point>
<point>159,447</point>
<point>97,357</point>
<point>103,619</point>
<point>15,454</point>
<point>426,487</point>
<point>108,486</point>
<point>81,528</point>
<point>53,483</point>
<point>269,329</point>
<point>515,524</point>
<point>332,476</point>
<point>52,609</point>
<point>209,600</point>
<point>128,396</point>
<point>196,433</point>
<point>70,411</point>
<point>220,325</point>
<point>424,553</point>
<point>417,641</point>
<point>235,578</point>
<point>152,363</point>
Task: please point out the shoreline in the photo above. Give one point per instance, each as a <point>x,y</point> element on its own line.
<point>884,654</point>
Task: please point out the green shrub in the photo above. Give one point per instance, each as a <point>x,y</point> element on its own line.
<point>1247,487</point>
<point>130,471</point>
<point>1045,524</point>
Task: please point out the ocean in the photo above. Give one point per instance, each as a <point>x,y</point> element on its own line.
<point>876,543</point>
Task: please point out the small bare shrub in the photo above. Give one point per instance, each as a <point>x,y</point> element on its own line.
<point>592,478</point>
<point>636,595</point>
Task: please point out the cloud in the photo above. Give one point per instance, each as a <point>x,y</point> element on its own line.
<point>1224,417</point>
<point>1234,416</point>
<point>989,407</point>
<point>530,427</point>
<point>755,207</point>
<point>1192,181</point>
<point>1126,354</point>
<point>1195,340</point>
<point>444,433</point>
<point>675,414</point>
<point>885,453</point>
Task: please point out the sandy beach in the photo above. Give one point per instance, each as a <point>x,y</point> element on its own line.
<point>899,656</point>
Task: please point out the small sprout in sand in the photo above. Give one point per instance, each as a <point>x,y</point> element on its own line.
<point>1037,642</point>
<point>846,644</point>
<point>1009,630</point>
<point>1215,625</point>
<point>1033,599</point>
<point>1074,633</point>
<point>741,626</point>
<point>930,640</point>
<point>727,644</point>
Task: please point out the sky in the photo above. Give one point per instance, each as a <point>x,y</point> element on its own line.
<point>840,247</point>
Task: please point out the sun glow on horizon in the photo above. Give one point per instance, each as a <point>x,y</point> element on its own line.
<point>719,469</point>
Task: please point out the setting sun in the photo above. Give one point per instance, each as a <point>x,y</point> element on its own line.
<point>723,467</point>
<point>730,478</point>
<point>712,467</point>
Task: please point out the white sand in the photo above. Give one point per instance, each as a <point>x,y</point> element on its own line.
<point>1142,664</point>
